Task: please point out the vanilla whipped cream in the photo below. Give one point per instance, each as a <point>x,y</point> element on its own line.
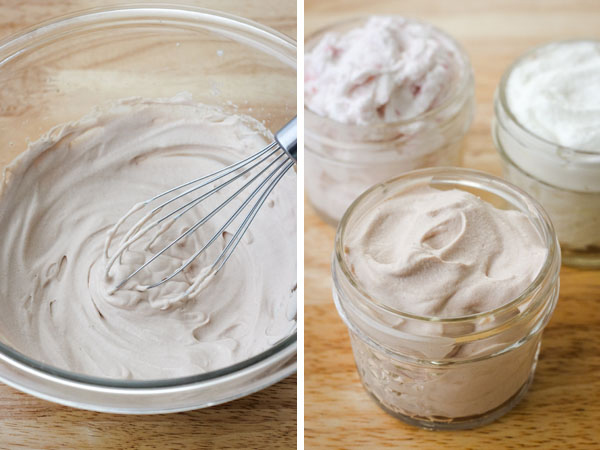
<point>444,253</point>
<point>60,198</point>
<point>387,70</point>
<point>555,93</point>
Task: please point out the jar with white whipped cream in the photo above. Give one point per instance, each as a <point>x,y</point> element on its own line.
<point>547,131</point>
<point>446,296</point>
<point>383,95</point>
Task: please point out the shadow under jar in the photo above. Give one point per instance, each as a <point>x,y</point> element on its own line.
<point>566,181</point>
<point>344,159</point>
<point>447,373</point>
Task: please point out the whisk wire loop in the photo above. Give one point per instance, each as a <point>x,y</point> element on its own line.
<point>238,235</point>
<point>283,147</point>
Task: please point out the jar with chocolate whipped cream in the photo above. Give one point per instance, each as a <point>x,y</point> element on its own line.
<point>383,95</point>
<point>547,132</point>
<point>445,279</point>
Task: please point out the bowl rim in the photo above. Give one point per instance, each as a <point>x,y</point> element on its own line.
<point>14,44</point>
<point>132,10</point>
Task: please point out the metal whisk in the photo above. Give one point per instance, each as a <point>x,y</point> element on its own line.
<point>269,164</point>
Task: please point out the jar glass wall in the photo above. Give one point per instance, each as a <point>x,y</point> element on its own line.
<point>342,160</point>
<point>447,373</point>
<point>566,181</point>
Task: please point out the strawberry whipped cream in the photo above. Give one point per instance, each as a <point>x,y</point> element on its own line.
<point>387,70</point>
<point>384,95</point>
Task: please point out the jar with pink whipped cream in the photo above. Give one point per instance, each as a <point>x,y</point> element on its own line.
<point>383,95</point>
<point>446,279</point>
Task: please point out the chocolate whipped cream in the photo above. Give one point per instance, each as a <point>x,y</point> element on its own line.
<point>444,253</point>
<point>60,198</point>
<point>441,254</point>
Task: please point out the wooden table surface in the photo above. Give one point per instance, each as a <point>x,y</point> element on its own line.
<point>266,419</point>
<point>562,409</point>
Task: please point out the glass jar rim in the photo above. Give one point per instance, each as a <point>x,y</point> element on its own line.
<point>507,159</point>
<point>456,93</point>
<point>503,100</point>
<point>201,18</point>
<point>452,174</point>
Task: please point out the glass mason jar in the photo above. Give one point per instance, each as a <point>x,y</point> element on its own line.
<point>566,181</point>
<point>342,160</point>
<point>447,373</point>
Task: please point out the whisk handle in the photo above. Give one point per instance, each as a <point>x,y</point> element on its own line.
<point>287,138</point>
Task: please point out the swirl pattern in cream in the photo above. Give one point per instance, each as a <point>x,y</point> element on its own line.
<point>444,253</point>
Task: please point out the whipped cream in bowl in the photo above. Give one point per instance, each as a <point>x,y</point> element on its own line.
<point>545,127</point>
<point>93,126</point>
<point>68,315</point>
<point>446,279</point>
<point>383,95</point>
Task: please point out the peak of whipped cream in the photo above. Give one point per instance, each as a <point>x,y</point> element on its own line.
<point>386,70</point>
<point>444,253</point>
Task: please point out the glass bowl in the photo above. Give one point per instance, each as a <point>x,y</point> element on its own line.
<point>60,70</point>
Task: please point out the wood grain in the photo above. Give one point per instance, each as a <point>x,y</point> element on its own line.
<point>266,419</point>
<point>562,409</point>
